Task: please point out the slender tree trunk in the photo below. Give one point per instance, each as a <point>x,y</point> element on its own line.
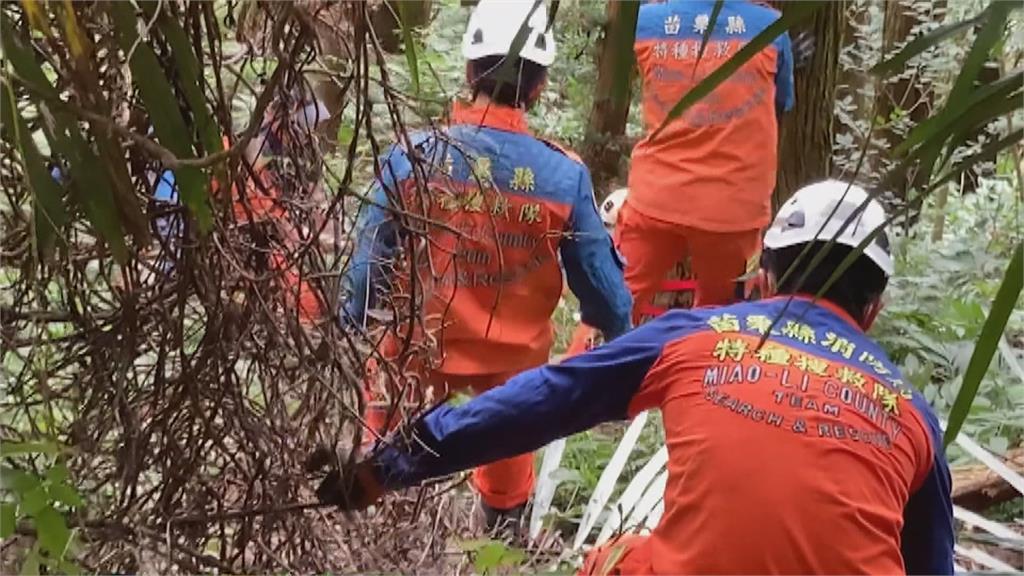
<point>906,98</point>
<point>805,148</point>
<point>605,148</point>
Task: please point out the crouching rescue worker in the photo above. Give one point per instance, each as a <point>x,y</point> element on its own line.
<point>701,188</point>
<point>804,453</point>
<point>509,205</point>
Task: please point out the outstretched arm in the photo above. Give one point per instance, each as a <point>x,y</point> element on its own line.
<point>593,267</point>
<point>532,408</point>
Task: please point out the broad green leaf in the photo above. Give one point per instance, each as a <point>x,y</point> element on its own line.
<point>493,555</point>
<point>405,20</point>
<point>798,13</point>
<point>53,531</point>
<point>65,494</point>
<point>48,214</point>
<point>345,134</point>
<point>16,448</point>
<point>922,43</point>
<point>8,518</point>
<point>18,481</point>
<point>988,342</point>
<point>34,500</point>
<point>30,567</point>
<point>168,123</point>
<point>65,138</point>
<point>57,473</point>
<point>69,568</point>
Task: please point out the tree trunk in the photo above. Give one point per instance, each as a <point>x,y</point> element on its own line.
<point>905,99</point>
<point>805,147</point>
<point>605,148</point>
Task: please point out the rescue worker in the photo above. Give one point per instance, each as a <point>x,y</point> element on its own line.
<point>675,291</point>
<point>702,187</point>
<point>805,453</point>
<point>273,186</point>
<point>510,205</point>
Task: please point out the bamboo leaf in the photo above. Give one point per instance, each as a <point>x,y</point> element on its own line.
<point>112,159</point>
<point>36,16</point>
<point>40,447</point>
<point>922,43</point>
<point>77,40</point>
<point>411,59</point>
<point>988,342</point>
<point>64,137</point>
<point>978,104</point>
<point>158,95</point>
<point>990,34</point>
<point>988,153</point>
<point>798,13</point>
<point>190,79</point>
<point>48,214</point>
<point>712,20</point>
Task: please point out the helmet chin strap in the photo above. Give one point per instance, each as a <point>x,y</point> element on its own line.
<point>871,313</point>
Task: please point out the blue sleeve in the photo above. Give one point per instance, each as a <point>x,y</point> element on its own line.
<point>784,87</point>
<point>376,241</point>
<point>928,530</point>
<point>529,410</point>
<point>593,267</point>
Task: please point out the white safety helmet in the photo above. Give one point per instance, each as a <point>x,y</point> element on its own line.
<point>493,27</point>
<point>819,212</point>
<point>609,209</point>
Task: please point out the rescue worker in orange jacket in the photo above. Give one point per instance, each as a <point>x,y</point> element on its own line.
<point>262,205</point>
<point>511,205</point>
<point>794,445</point>
<point>702,186</point>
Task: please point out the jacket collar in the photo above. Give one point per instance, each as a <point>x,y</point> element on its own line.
<point>491,115</point>
<point>823,303</point>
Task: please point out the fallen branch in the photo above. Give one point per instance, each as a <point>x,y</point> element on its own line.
<point>977,487</point>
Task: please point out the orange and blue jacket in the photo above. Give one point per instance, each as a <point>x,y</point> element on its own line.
<point>714,167</point>
<point>509,209</point>
<point>807,454</point>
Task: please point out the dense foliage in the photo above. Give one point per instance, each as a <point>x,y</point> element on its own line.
<point>158,399</point>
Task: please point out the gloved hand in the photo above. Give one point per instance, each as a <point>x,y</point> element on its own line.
<point>354,488</point>
<point>803,49</point>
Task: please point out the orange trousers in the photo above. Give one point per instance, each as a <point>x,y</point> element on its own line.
<point>298,292</point>
<point>627,554</point>
<point>502,484</point>
<point>651,247</point>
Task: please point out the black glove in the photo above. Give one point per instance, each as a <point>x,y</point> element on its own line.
<point>803,49</point>
<point>349,488</point>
